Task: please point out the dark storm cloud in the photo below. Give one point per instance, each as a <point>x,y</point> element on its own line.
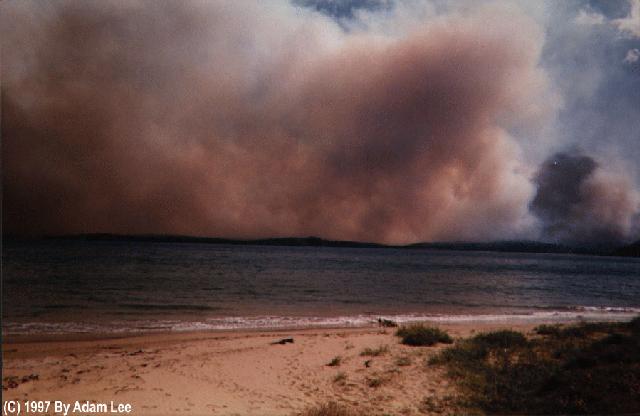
<point>578,205</point>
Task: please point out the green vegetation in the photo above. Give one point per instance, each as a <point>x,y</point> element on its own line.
<point>446,405</point>
<point>548,329</point>
<point>501,339</point>
<point>421,335</point>
<point>368,352</point>
<point>582,369</point>
<point>335,361</point>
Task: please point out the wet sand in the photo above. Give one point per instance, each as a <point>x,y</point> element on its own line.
<point>234,373</point>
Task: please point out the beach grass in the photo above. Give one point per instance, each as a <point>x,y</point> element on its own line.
<point>329,409</point>
<point>421,335</point>
<point>591,368</point>
<point>546,329</point>
<point>374,352</point>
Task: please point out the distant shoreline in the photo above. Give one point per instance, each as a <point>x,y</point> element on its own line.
<point>508,246</point>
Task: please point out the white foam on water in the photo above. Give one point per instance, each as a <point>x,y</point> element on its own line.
<point>566,315</point>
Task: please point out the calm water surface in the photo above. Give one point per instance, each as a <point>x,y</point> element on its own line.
<point>53,287</point>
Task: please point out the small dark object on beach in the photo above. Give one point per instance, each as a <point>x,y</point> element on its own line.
<point>283,341</point>
<point>367,363</point>
<point>30,377</point>
<point>335,361</point>
<point>12,382</point>
<point>387,323</point>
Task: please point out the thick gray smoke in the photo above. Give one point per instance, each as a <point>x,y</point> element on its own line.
<point>577,203</point>
<point>173,117</point>
<point>256,119</point>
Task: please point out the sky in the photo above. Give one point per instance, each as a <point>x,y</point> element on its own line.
<point>392,121</point>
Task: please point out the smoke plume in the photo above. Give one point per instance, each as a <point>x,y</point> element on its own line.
<point>578,203</point>
<point>239,119</point>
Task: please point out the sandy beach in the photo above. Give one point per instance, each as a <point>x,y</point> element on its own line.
<point>234,373</point>
<point>228,207</point>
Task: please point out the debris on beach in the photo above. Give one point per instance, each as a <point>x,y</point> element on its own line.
<point>11,382</point>
<point>387,323</point>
